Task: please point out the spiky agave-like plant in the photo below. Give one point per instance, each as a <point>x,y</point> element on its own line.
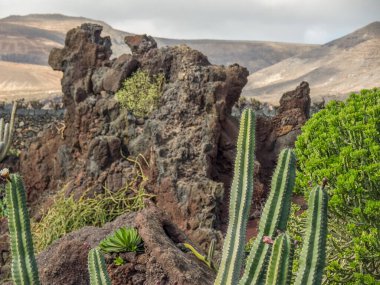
<point>240,202</point>
<point>24,266</point>
<point>6,133</point>
<point>122,240</point>
<point>97,268</point>
<point>274,217</point>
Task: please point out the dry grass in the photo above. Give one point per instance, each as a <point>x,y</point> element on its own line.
<point>67,214</point>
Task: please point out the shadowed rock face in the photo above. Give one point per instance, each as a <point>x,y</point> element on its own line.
<point>281,131</point>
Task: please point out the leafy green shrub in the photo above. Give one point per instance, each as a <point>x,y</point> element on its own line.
<point>140,93</point>
<point>342,143</point>
<point>122,240</point>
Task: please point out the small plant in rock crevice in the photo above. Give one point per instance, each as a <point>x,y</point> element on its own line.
<point>118,261</point>
<point>140,93</point>
<point>122,240</point>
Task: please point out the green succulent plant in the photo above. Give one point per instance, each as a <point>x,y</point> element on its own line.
<point>122,240</point>
<point>341,143</point>
<point>118,261</point>
<point>270,259</point>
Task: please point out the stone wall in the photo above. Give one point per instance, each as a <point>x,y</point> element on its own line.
<point>30,121</point>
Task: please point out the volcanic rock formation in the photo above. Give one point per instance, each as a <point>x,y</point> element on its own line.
<point>189,142</point>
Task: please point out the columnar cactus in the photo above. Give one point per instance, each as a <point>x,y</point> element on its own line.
<point>24,266</point>
<point>279,270</point>
<point>240,201</point>
<point>6,133</point>
<point>97,268</point>
<point>277,254</point>
<point>312,258</point>
<point>274,217</point>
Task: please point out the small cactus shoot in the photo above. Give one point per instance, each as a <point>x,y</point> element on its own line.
<point>97,268</point>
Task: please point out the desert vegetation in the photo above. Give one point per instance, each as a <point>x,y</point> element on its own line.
<point>150,180</point>
<point>140,93</point>
<point>341,143</point>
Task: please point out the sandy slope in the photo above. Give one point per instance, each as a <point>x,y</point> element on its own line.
<point>334,70</point>
<point>28,81</point>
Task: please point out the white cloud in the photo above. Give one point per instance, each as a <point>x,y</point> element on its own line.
<point>316,35</point>
<point>313,21</point>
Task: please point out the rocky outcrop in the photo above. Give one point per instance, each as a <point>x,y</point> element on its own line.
<point>162,262</point>
<point>189,140</point>
<point>281,130</point>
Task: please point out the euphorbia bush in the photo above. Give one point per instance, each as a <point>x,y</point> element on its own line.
<point>342,143</point>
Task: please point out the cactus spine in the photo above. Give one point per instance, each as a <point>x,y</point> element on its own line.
<point>312,258</point>
<point>274,217</point>
<point>24,266</point>
<point>6,133</point>
<point>97,268</point>
<point>281,261</point>
<point>240,201</point>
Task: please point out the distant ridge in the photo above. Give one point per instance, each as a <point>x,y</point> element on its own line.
<point>334,70</point>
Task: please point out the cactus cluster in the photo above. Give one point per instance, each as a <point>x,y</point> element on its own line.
<point>271,256</point>
<point>24,266</point>
<point>6,133</point>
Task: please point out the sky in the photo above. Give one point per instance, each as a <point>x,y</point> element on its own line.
<point>303,21</point>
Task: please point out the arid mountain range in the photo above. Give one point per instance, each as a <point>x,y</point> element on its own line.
<point>333,69</point>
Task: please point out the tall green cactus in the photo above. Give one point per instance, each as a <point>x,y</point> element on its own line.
<point>272,224</point>
<point>240,202</point>
<point>6,133</point>
<point>97,268</point>
<point>312,258</point>
<point>274,217</point>
<point>281,261</point>
<point>24,266</point>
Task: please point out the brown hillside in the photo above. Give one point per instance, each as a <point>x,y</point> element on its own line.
<point>333,70</point>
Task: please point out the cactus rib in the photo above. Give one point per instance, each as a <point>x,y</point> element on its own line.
<point>240,201</point>
<point>6,133</point>
<point>274,217</point>
<point>24,266</point>
<point>312,258</point>
<point>97,268</point>
<point>281,261</point>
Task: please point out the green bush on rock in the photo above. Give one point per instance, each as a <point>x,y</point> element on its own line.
<point>342,143</point>
<point>140,93</point>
